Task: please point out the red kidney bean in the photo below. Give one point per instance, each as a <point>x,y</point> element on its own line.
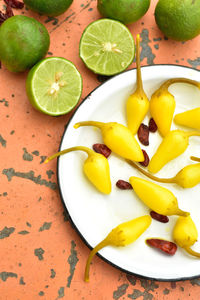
<point>2,17</point>
<point>165,246</point>
<point>145,163</point>
<point>124,185</point>
<point>158,217</point>
<point>143,134</point>
<point>14,3</point>
<point>152,125</point>
<point>6,15</point>
<point>102,149</point>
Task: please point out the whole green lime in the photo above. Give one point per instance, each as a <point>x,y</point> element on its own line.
<point>50,8</point>
<point>178,19</point>
<point>126,11</point>
<point>24,41</point>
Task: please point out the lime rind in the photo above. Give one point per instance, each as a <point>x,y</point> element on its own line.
<point>50,8</point>
<point>41,79</point>
<point>107,47</point>
<point>24,42</point>
<point>125,11</point>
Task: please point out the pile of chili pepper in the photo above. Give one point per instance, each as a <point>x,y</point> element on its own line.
<point>121,140</point>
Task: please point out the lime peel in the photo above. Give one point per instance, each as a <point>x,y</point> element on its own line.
<point>127,11</point>
<point>49,8</point>
<point>24,42</point>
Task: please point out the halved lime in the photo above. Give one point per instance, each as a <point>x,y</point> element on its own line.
<point>54,86</point>
<point>107,47</point>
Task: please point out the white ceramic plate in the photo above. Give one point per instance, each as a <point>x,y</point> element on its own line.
<point>95,215</point>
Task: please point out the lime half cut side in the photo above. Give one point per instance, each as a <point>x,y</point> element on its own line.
<point>107,47</point>
<point>54,86</point>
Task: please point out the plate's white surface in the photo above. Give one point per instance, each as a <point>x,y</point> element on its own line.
<point>93,214</point>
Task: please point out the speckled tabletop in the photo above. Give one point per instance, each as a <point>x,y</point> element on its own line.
<point>42,256</point>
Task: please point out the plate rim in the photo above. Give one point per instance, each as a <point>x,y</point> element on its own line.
<point>62,198</point>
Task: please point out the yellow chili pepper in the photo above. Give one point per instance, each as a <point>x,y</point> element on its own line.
<point>156,197</point>
<point>185,234</point>
<point>118,138</point>
<point>122,235</point>
<point>162,104</point>
<point>96,168</point>
<point>137,104</point>
<point>190,118</point>
<point>173,145</point>
<point>187,177</point>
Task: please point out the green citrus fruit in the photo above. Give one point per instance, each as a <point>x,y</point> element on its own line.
<point>54,86</point>
<point>50,8</point>
<point>107,47</point>
<point>24,41</point>
<point>126,11</point>
<point>178,19</point>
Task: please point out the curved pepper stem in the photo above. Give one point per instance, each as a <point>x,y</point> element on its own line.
<point>182,213</point>
<point>193,133</point>
<point>77,148</point>
<point>89,123</point>
<point>139,76</point>
<point>167,83</point>
<point>98,247</point>
<point>192,252</point>
<point>163,180</point>
<point>195,158</point>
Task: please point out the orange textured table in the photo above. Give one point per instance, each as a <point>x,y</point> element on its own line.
<point>42,256</point>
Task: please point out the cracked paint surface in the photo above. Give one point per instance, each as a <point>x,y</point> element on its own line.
<point>39,253</point>
<point>121,290</point>
<point>10,173</point>
<point>5,275</point>
<point>45,226</point>
<point>72,260</point>
<point>6,232</point>
<point>146,48</point>
<point>43,257</point>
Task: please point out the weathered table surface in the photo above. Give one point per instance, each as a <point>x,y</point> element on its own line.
<point>42,256</point>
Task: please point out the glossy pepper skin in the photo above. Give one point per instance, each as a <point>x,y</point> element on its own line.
<point>185,234</point>
<point>189,118</point>
<point>162,104</point>
<point>96,168</point>
<point>187,177</point>
<point>122,235</point>
<point>173,145</point>
<point>137,104</point>
<point>156,197</point>
<point>118,138</point>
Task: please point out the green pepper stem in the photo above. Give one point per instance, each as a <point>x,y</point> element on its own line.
<point>192,252</point>
<point>163,180</point>
<point>182,213</point>
<point>77,148</point>
<point>195,158</point>
<point>89,123</point>
<point>168,82</point>
<point>98,247</point>
<point>139,76</point>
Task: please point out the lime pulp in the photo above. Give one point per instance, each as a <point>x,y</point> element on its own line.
<point>107,47</point>
<point>54,86</point>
